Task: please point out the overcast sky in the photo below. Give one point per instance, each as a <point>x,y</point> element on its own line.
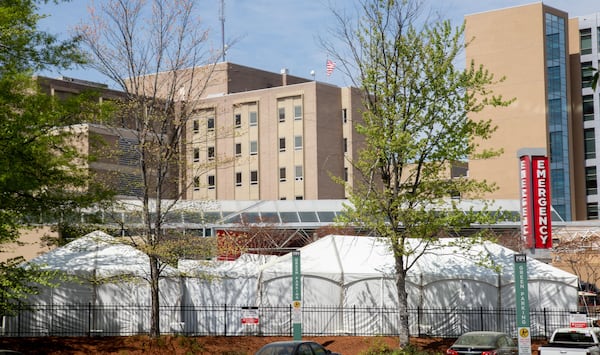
<point>276,34</point>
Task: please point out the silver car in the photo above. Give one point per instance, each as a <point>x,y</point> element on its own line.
<point>483,343</point>
<point>294,347</point>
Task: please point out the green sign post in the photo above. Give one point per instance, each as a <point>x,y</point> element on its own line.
<point>522,302</point>
<point>296,296</point>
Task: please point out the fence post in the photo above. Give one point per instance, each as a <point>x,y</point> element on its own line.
<point>225,320</point>
<point>418,320</point>
<point>545,325</point>
<point>19,319</point>
<point>481,317</point>
<point>89,331</point>
<point>290,319</point>
<point>354,319</point>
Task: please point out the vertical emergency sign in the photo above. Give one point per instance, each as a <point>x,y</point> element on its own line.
<point>536,204</point>
<point>296,296</point>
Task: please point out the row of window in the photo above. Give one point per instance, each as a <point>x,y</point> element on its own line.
<point>585,40</point>
<point>253,148</point>
<point>588,107</point>
<point>591,180</point>
<point>253,119</point>
<point>589,143</point>
<point>592,210</point>
<point>297,113</point>
<point>587,73</point>
<point>211,180</point>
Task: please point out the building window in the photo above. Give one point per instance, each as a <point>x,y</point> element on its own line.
<point>196,155</point>
<point>210,124</point>
<point>253,119</point>
<point>298,142</point>
<point>211,153</point>
<point>282,174</point>
<point>299,173</point>
<point>555,112</point>
<point>556,147</point>
<point>196,126</point>
<point>298,112</point>
<point>211,182</point>
<point>588,107</point>
<point>344,115</point>
<point>238,120</point>
<point>282,144</point>
<point>253,147</point>
<point>589,143</point>
<point>587,73</point>
<point>591,181</point>
<point>299,198</point>
<point>238,179</point>
<point>592,210</point>
<point>346,174</point>
<point>254,177</point>
<point>282,114</point>
<point>345,145</point>
<point>238,149</point>
<point>196,183</point>
<point>585,40</point>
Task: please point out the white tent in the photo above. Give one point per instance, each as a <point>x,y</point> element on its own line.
<point>347,271</point>
<point>232,283</point>
<point>102,271</point>
<point>222,281</point>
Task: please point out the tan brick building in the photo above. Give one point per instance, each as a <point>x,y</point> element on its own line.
<point>536,47</point>
<point>257,135</point>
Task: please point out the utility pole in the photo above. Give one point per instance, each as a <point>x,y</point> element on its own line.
<point>222,19</point>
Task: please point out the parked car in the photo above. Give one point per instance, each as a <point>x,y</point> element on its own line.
<point>573,341</point>
<point>483,343</point>
<point>294,347</point>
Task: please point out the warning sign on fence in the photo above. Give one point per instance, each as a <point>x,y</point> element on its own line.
<point>249,315</point>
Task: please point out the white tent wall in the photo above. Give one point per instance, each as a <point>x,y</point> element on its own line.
<point>348,271</point>
<point>106,273</point>
<point>338,273</point>
<point>201,293</point>
<point>232,284</point>
<point>130,302</point>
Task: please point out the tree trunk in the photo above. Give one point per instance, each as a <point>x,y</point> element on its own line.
<point>402,304</point>
<point>155,312</point>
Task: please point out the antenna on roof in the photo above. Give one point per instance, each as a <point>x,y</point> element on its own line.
<point>222,18</point>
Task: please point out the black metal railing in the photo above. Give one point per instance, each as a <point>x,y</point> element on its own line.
<point>226,320</point>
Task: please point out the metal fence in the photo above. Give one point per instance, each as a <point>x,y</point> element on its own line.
<point>239,320</point>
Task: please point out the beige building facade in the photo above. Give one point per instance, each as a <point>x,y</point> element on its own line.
<point>256,135</point>
<point>535,48</point>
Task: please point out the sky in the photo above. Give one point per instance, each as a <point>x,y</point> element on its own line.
<point>276,34</point>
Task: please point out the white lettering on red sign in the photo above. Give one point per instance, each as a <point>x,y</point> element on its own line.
<point>526,222</point>
<point>541,203</point>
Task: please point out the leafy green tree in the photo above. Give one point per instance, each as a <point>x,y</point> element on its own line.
<point>24,47</point>
<point>38,170</point>
<point>416,125</point>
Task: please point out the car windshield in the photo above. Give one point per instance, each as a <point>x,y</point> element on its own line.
<point>277,349</point>
<point>476,340</point>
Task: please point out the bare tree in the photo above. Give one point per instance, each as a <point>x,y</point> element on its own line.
<point>156,52</point>
<point>578,251</point>
<point>415,125</point>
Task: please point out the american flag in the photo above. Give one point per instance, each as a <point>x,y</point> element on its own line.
<point>330,66</point>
